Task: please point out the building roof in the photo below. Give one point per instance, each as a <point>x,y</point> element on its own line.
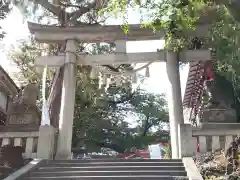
<point>194,84</point>
<point>8,82</point>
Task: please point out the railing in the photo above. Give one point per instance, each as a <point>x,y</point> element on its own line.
<point>27,140</point>
<point>131,156</point>
<point>209,137</point>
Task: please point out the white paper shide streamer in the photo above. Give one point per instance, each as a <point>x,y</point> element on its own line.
<point>45,115</point>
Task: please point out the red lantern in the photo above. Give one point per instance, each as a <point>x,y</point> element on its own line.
<point>208,71</point>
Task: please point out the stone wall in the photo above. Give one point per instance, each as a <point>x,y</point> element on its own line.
<point>22,114</point>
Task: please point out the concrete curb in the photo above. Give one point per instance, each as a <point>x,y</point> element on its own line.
<point>24,170</point>
<point>191,168</point>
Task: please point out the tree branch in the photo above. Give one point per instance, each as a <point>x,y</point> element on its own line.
<point>111,68</point>
<point>232,6</point>
<point>77,14</point>
<point>48,6</point>
<point>147,126</point>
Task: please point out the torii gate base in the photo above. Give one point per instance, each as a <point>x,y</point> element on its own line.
<point>51,34</point>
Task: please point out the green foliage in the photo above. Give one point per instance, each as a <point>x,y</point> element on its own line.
<point>151,110</point>
<point>24,57</point>
<point>103,124</point>
<point>167,151</point>
<point>175,17</point>
<point>225,43</point>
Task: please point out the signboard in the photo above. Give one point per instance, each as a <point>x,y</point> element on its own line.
<point>155,151</point>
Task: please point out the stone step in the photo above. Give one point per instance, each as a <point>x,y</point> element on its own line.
<point>115,160</point>
<point>142,172</point>
<point>110,168</point>
<point>123,163</point>
<point>110,178</point>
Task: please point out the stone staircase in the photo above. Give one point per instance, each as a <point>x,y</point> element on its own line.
<point>108,169</point>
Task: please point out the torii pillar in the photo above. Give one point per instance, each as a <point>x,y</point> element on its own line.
<point>174,101</point>
<point>67,102</point>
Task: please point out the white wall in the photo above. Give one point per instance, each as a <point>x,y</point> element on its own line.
<point>186,115</point>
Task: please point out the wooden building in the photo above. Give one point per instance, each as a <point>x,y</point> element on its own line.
<point>8,89</point>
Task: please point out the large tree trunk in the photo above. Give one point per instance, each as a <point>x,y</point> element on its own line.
<point>146,128</point>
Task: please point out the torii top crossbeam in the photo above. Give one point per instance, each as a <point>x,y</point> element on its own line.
<point>110,33</point>
<point>98,33</point>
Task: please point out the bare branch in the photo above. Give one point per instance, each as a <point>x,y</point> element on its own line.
<point>77,14</point>
<point>112,68</point>
<point>48,6</point>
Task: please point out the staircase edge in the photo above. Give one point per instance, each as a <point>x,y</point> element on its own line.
<point>191,169</point>
<point>25,169</point>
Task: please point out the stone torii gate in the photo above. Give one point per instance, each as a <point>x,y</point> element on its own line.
<point>72,35</point>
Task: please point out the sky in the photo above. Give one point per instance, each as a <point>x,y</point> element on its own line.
<point>17,30</point>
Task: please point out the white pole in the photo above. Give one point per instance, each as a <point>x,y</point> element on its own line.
<point>174,101</point>
<point>45,116</point>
